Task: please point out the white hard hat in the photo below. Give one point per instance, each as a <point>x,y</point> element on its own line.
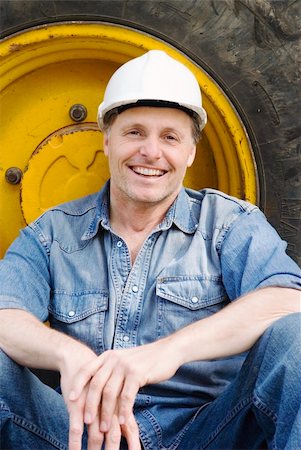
<point>153,79</point>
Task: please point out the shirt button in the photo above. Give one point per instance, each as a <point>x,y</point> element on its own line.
<point>135,288</point>
<point>194,299</point>
<point>119,244</point>
<point>126,338</point>
<point>71,313</point>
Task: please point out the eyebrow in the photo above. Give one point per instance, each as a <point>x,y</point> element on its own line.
<point>140,125</point>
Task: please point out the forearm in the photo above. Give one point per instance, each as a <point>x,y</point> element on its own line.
<point>235,328</point>
<point>31,343</point>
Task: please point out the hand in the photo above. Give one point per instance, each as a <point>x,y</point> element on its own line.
<point>110,382</point>
<point>129,431</point>
<point>113,437</point>
<point>74,356</point>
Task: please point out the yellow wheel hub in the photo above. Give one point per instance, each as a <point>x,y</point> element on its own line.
<point>47,71</point>
<point>62,169</point>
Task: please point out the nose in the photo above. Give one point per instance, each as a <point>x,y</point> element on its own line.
<point>150,148</point>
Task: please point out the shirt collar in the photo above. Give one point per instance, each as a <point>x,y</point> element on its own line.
<point>180,213</point>
<point>101,214</point>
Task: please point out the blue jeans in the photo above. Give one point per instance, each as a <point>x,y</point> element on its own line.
<point>260,409</point>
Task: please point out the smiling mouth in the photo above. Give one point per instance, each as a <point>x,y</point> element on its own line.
<point>146,172</point>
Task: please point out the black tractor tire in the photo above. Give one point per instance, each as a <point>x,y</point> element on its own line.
<point>249,47</point>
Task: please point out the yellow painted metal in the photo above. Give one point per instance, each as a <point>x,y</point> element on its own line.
<point>46,70</point>
<point>68,164</point>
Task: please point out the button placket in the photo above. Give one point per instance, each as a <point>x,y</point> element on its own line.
<point>130,311</point>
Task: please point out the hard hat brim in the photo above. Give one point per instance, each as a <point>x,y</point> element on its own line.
<point>200,115</point>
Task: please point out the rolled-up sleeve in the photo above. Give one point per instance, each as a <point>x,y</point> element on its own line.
<point>24,275</point>
<point>254,256</point>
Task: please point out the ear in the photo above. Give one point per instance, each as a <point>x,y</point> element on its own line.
<point>106,143</point>
<point>191,156</point>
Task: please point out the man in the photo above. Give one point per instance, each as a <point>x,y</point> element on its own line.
<point>155,294</point>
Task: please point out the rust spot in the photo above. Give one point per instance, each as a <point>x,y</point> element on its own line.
<point>15,47</point>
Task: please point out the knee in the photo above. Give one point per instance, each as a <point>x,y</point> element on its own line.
<point>280,365</point>
<point>14,382</point>
<point>284,335</point>
<point>288,328</point>
<point>9,370</point>
<point>6,362</point>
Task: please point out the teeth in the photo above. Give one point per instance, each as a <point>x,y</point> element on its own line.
<point>148,172</point>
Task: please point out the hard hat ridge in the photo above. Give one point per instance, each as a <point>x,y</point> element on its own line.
<point>155,77</point>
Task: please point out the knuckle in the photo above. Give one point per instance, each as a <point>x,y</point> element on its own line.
<point>94,384</point>
<point>75,431</point>
<point>126,397</point>
<point>131,370</point>
<point>84,374</point>
<point>126,366</point>
<point>84,370</point>
<point>114,436</point>
<point>95,440</point>
<point>133,375</point>
<point>109,354</point>
<point>90,406</point>
<point>113,356</point>
<point>108,391</point>
<point>132,426</point>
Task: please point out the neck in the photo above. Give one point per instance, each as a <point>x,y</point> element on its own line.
<point>134,222</point>
<point>136,218</point>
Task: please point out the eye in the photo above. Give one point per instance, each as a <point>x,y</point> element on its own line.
<point>171,138</point>
<point>134,132</point>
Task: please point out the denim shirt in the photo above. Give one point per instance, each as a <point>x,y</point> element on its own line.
<point>70,268</point>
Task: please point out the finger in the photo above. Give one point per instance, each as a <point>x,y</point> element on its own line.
<point>130,431</point>
<point>95,437</point>
<point>83,376</point>
<point>110,395</point>
<point>76,424</point>
<point>95,388</point>
<point>113,436</point>
<point>127,400</point>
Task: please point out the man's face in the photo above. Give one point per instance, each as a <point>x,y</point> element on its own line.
<point>149,150</point>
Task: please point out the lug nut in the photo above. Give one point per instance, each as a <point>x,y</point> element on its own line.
<point>13,175</point>
<point>78,112</point>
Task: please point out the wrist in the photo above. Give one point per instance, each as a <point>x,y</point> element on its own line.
<point>174,349</point>
<point>181,345</point>
<point>69,349</point>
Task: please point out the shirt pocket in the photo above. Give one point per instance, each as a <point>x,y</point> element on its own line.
<point>182,300</point>
<point>80,315</point>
